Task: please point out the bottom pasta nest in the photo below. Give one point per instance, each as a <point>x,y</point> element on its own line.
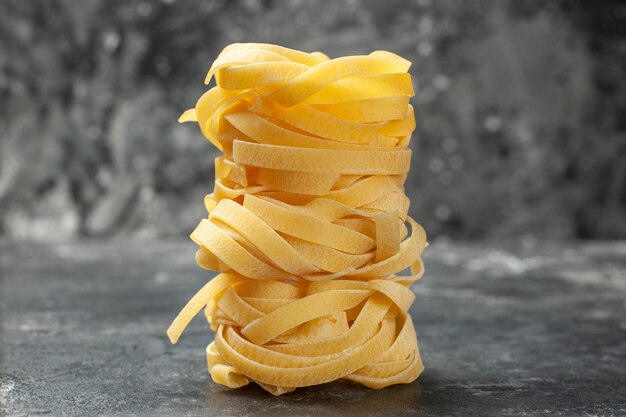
<point>284,335</point>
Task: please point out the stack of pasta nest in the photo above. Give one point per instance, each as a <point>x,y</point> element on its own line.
<point>307,222</point>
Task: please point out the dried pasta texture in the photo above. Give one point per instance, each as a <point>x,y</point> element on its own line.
<point>308,222</point>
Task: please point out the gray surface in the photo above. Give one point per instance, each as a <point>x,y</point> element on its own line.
<point>504,330</point>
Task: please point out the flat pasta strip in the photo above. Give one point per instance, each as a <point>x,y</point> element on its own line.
<point>308,222</point>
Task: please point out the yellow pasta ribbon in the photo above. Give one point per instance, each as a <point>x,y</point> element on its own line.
<point>308,222</point>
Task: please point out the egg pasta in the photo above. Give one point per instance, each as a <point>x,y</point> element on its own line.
<point>308,221</point>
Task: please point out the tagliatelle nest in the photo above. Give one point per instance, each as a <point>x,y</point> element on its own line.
<point>308,220</point>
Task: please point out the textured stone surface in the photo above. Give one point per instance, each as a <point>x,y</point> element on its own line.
<point>503,329</point>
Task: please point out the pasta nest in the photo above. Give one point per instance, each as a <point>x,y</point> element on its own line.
<point>308,222</point>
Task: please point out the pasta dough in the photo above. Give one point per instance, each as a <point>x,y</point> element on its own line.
<point>308,222</point>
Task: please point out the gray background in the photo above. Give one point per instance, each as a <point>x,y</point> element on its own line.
<point>520,144</point>
<point>520,105</point>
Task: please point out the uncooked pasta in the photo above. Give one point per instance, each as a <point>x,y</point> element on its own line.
<point>308,221</point>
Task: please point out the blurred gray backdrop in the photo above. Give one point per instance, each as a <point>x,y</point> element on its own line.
<point>521,109</point>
